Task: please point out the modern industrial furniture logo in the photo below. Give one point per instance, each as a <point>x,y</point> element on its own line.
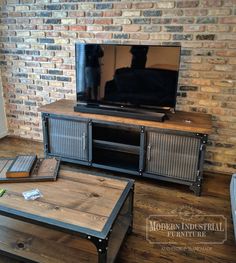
<point>185,226</point>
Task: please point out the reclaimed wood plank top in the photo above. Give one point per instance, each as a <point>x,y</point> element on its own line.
<point>76,198</point>
<point>180,121</point>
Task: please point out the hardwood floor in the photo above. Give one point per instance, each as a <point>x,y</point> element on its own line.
<point>154,197</point>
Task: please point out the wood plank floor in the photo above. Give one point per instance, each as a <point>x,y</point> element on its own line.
<point>152,197</point>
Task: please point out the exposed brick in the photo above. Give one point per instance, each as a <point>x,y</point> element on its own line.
<point>141,20</point>
<point>187,4</point>
<point>77,28</point>
<point>205,37</point>
<point>55,72</point>
<point>196,12</point>
<point>173,28</point>
<point>59,14</point>
<point>161,21</point>
<point>131,13</point>
<point>30,103</point>
<point>140,36</point>
<point>151,28</point>
<point>194,28</point>
<point>94,14</point>
<point>52,7</point>
<point>188,88</point>
<point>76,13</point>
<point>44,14</point>
<point>46,40</point>
<point>68,21</point>
<point>112,13</point>
<point>67,79</point>
<point>152,13</point>
<point>172,12</point>
<point>21,8</point>
<point>105,21</point>
<point>165,4</point>
<point>103,35</point>
<point>53,21</point>
<point>131,28</point>
<point>123,5</point>
<point>182,37</point>
<point>211,3</point>
<point>225,36</point>
<point>160,37</point>
<point>120,36</point>
<point>53,47</point>
<point>69,7</point>
<point>103,6</point>
<point>219,12</point>
<point>94,28</point>
<point>112,28</point>
<point>142,5</point>
<point>183,20</point>
<point>218,28</point>
<point>228,20</point>
<point>206,20</point>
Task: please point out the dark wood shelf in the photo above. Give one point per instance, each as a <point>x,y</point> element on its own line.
<point>114,146</point>
<point>116,159</point>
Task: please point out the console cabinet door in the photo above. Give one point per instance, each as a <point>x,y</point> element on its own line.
<point>68,138</point>
<point>173,155</point>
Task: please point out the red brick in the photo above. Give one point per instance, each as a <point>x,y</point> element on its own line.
<point>103,35</point>
<point>105,21</point>
<point>77,28</point>
<point>228,20</point>
<point>112,13</point>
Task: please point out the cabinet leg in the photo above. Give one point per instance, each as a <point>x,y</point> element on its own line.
<point>196,188</point>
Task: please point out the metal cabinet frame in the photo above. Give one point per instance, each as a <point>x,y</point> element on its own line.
<point>194,186</point>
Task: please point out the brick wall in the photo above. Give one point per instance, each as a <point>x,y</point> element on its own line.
<point>37,56</point>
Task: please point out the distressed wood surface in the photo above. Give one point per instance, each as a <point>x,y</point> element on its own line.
<point>43,245</point>
<point>68,200</point>
<point>181,121</point>
<point>151,197</point>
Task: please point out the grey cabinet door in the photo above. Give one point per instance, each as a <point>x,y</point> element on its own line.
<point>68,138</point>
<point>173,155</point>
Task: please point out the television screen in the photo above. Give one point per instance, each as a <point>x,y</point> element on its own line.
<point>127,75</point>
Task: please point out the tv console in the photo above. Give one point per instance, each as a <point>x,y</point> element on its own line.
<point>170,151</point>
<point>140,114</point>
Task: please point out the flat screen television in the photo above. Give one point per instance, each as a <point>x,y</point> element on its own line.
<point>126,80</point>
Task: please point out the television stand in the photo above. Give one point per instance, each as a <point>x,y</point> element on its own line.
<point>170,151</point>
<point>140,114</point>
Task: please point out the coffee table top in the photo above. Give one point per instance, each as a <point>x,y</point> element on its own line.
<point>78,202</point>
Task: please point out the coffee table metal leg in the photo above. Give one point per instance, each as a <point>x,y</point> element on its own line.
<point>102,257</point>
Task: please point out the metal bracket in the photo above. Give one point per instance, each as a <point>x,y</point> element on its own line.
<point>101,244</point>
<point>196,187</point>
<point>142,129</point>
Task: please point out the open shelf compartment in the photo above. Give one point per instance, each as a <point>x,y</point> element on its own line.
<point>121,160</point>
<point>117,134</point>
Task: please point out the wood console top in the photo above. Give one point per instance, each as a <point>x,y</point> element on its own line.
<point>181,121</point>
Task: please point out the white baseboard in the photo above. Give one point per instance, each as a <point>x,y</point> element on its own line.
<point>3,134</point>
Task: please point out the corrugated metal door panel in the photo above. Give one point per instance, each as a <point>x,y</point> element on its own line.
<point>172,155</point>
<point>68,138</point>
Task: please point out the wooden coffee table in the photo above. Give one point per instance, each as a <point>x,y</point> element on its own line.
<point>82,217</point>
